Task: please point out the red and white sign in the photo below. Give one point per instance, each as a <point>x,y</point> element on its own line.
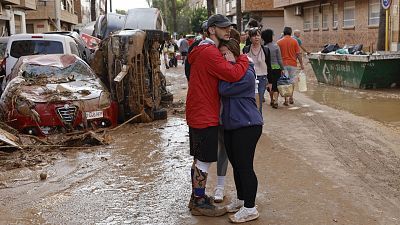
<point>91,42</point>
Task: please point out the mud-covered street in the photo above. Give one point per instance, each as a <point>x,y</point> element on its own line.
<point>327,159</point>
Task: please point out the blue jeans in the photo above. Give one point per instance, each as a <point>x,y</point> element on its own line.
<point>262,86</point>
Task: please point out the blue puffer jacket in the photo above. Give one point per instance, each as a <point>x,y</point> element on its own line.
<point>239,103</point>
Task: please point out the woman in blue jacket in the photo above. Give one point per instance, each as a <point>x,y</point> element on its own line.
<point>242,122</point>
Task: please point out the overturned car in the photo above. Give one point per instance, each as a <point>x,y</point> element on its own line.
<point>47,94</point>
<point>128,61</point>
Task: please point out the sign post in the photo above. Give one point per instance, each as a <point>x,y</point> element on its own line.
<point>386,5</point>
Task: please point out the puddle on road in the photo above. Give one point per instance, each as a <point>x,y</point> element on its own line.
<point>147,180</point>
<point>382,105</point>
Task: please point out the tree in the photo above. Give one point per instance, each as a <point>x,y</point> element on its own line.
<point>197,17</point>
<point>380,45</point>
<point>173,13</point>
<point>93,10</point>
<point>239,15</point>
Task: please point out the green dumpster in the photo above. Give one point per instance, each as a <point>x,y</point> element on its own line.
<point>357,71</point>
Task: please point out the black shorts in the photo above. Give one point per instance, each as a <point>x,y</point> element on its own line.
<point>204,143</point>
<point>184,53</point>
<point>273,79</point>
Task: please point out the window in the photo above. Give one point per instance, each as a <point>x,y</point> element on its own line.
<point>233,3</point>
<point>307,19</point>
<point>228,6</point>
<point>349,13</point>
<point>74,49</point>
<point>335,15</point>
<point>315,17</point>
<point>325,13</point>
<point>373,12</point>
<point>35,47</point>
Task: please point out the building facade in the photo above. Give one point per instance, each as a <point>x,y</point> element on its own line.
<point>339,21</point>
<point>82,8</point>
<point>265,12</point>
<point>44,18</point>
<point>261,10</point>
<point>13,16</point>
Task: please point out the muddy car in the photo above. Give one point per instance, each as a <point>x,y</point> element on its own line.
<point>128,62</point>
<point>48,94</point>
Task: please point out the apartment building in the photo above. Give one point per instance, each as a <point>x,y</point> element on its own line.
<point>44,18</point>
<point>261,10</point>
<point>12,16</point>
<point>339,21</point>
<point>82,9</point>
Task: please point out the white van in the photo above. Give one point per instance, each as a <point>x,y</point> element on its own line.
<point>37,44</point>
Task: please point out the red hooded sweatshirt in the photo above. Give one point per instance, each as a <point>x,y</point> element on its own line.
<point>207,67</point>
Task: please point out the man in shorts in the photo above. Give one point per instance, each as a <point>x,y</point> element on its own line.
<point>290,51</point>
<point>207,67</point>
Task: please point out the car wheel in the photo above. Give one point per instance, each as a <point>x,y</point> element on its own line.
<point>168,97</point>
<point>160,114</point>
<point>121,113</point>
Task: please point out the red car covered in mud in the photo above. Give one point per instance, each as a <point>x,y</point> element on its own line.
<point>48,94</point>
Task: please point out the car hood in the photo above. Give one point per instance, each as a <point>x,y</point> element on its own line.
<point>71,91</point>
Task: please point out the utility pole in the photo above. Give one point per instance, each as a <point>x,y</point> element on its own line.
<point>57,10</point>
<point>239,16</point>
<point>210,7</point>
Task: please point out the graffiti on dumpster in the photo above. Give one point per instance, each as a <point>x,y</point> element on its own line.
<point>333,72</point>
<point>326,72</point>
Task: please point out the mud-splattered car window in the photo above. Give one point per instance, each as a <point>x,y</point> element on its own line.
<point>35,47</point>
<point>76,71</point>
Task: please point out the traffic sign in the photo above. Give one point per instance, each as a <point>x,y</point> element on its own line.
<point>386,3</point>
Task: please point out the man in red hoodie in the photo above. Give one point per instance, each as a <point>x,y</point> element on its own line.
<point>207,67</point>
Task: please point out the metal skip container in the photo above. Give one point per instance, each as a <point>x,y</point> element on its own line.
<point>357,71</point>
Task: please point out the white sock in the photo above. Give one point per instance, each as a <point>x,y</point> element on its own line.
<point>203,166</point>
<point>221,182</point>
<point>251,210</point>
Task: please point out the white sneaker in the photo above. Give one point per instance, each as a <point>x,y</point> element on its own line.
<point>244,215</point>
<point>235,205</point>
<point>219,194</point>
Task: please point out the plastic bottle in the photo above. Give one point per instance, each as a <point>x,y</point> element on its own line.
<point>302,82</point>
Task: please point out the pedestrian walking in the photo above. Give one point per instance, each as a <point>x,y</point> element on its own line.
<point>242,122</point>
<point>276,66</point>
<point>290,51</point>
<point>183,45</point>
<point>207,67</point>
<point>296,35</point>
<point>262,61</point>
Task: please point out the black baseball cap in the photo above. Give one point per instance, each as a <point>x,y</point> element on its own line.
<point>219,21</point>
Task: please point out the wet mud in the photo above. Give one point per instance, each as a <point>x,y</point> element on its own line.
<point>315,165</point>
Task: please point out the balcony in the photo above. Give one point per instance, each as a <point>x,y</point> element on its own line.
<point>27,4</point>
<point>46,11</point>
<point>11,2</point>
<point>69,17</point>
<point>284,3</point>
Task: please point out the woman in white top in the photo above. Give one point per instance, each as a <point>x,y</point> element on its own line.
<point>262,61</point>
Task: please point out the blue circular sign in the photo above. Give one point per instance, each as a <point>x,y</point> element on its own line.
<point>386,4</point>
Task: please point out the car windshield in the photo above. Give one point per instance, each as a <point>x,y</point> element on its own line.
<point>76,71</point>
<point>35,47</point>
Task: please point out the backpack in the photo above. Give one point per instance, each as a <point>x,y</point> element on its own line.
<point>187,64</point>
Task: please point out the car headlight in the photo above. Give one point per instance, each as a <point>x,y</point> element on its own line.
<point>105,100</point>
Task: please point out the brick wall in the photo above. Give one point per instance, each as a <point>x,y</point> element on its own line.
<point>258,5</point>
<point>314,39</point>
